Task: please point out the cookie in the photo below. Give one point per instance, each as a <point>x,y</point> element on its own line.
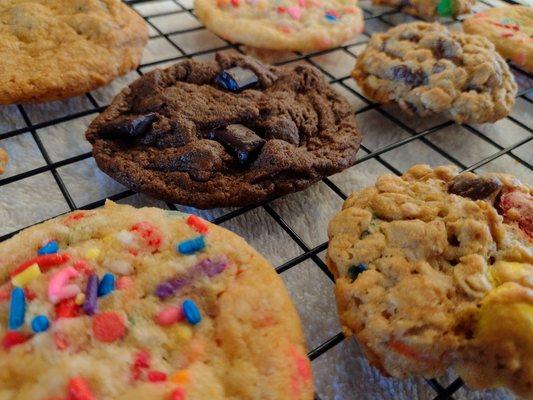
<point>296,25</point>
<point>54,49</point>
<point>427,69</point>
<point>510,29</point>
<point>122,303</point>
<point>434,269</point>
<point>226,133</point>
<point>3,160</point>
<point>430,9</point>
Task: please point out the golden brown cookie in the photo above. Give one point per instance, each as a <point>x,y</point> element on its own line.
<point>510,29</point>
<point>127,304</point>
<point>3,160</point>
<point>434,269</point>
<point>427,69</point>
<point>54,49</point>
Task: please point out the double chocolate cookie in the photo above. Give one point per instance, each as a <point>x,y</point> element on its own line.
<point>225,133</point>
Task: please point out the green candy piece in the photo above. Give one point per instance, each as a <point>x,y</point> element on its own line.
<point>445,8</point>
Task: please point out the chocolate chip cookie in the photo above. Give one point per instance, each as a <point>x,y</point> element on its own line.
<point>123,303</point>
<point>435,269</point>
<point>427,69</point>
<point>430,9</point>
<point>225,133</point>
<point>54,49</point>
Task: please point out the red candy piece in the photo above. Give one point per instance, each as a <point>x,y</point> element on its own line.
<point>235,3</point>
<point>157,376</point>
<point>178,394</point>
<point>197,224</point>
<point>13,338</point>
<point>83,267</point>
<point>45,262</point>
<point>108,327</point>
<point>78,389</point>
<point>517,206</point>
<point>151,235</point>
<point>282,9</point>
<point>67,309</point>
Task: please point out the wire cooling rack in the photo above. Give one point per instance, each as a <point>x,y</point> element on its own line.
<point>52,172</point>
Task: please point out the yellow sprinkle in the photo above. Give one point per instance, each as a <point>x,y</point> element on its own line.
<point>26,276</point>
<point>183,332</point>
<point>80,299</point>
<point>180,377</point>
<point>93,253</point>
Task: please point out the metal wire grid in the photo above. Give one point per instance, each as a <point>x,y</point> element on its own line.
<point>307,252</point>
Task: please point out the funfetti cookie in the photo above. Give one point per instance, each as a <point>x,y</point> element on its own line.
<point>54,49</point>
<point>3,160</point>
<point>226,133</point>
<point>434,269</point>
<point>428,69</point>
<point>122,303</point>
<point>296,25</point>
<point>430,9</point>
<point>510,29</point>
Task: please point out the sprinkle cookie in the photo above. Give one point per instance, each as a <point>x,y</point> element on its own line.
<point>3,160</point>
<point>226,133</point>
<point>54,49</point>
<point>510,29</point>
<point>296,25</point>
<point>427,69</point>
<point>435,269</point>
<point>122,303</point>
<point>430,9</point>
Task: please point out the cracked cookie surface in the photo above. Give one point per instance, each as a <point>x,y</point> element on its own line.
<point>427,69</point>
<point>430,9</point>
<point>54,49</point>
<point>510,29</point>
<point>179,135</point>
<point>124,303</point>
<point>295,25</point>
<point>434,269</point>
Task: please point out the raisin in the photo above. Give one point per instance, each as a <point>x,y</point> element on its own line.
<point>403,74</point>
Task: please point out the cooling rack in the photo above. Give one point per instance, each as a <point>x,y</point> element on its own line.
<point>52,172</point>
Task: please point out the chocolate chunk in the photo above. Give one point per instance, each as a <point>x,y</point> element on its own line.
<point>128,125</point>
<point>243,142</point>
<point>403,74</point>
<point>446,48</point>
<point>475,187</point>
<point>236,79</point>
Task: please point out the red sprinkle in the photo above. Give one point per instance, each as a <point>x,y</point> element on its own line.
<point>61,341</point>
<point>83,267</point>
<point>13,338</point>
<point>75,216</point>
<point>108,327</point>
<point>149,233</point>
<point>78,389</point>
<point>178,394</point>
<point>281,9</point>
<point>45,262</point>
<point>235,3</point>
<point>67,309</point>
<point>141,361</point>
<point>197,224</point>
<point>157,376</point>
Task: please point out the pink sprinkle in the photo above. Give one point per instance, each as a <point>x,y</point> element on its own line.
<point>58,287</point>
<point>169,316</point>
<point>124,282</point>
<point>157,376</point>
<point>302,3</point>
<point>295,12</point>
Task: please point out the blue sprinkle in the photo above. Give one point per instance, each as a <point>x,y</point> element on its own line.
<point>17,310</point>
<point>355,270</point>
<point>191,246</point>
<point>40,324</point>
<point>107,285</point>
<point>49,248</point>
<point>331,17</point>
<point>191,312</point>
